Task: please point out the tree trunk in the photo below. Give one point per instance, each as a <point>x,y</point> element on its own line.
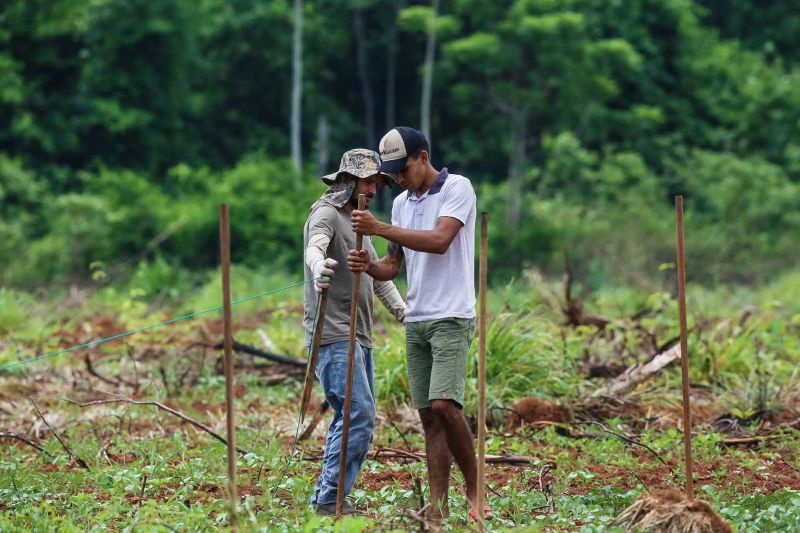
<point>427,79</point>
<point>297,81</point>
<point>323,144</point>
<point>391,68</point>
<point>516,166</point>
<point>363,77</point>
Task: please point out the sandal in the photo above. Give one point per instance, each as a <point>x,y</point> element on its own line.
<point>487,513</point>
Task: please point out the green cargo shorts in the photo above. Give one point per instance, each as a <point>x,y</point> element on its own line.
<point>436,351</point>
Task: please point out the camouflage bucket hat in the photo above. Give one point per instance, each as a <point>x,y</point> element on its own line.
<point>361,163</point>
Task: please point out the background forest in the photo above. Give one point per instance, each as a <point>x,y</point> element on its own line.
<point>124,124</point>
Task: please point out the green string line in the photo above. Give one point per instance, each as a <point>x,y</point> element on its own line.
<point>152,326</point>
<point>289,460</point>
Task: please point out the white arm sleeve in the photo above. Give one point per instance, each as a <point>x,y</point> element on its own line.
<point>390,297</point>
<point>315,251</point>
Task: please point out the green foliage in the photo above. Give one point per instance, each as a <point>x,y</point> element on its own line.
<point>758,202</point>
<point>755,512</point>
<point>79,231</point>
<point>132,120</point>
<point>12,311</point>
<point>121,217</point>
<point>266,220</point>
<point>149,469</point>
<point>420,18</point>
<point>391,378</point>
<point>523,355</point>
<point>766,28</point>
<point>158,279</point>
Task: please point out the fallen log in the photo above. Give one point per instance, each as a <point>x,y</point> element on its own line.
<point>636,374</point>
<point>736,441</point>
<point>252,350</point>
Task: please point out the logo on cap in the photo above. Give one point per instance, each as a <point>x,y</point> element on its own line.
<point>397,145</point>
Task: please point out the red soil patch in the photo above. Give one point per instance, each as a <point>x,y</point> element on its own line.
<point>503,475</point>
<point>499,476</point>
<point>98,327</point>
<point>250,491</point>
<point>122,458</point>
<point>788,416</point>
<point>532,410</point>
<point>205,492</point>
<point>214,326</point>
<point>376,481</point>
<point>203,407</point>
<point>255,404</point>
<point>102,496</point>
<point>723,474</point>
<point>209,488</point>
<point>52,467</point>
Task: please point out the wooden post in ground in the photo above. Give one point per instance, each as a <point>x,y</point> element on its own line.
<point>482,287</point>
<point>308,384</point>
<point>225,257</point>
<point>351,359</point>
<point>687,415</point>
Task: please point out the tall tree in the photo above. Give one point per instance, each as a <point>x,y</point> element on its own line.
<point>770,27</point>
<point>427,72</point>
<point>362,61</point>
<point>428,22</point>
<point>323,144</point>
<point>41,47</point>
<point>540,67</point>
<point>390,105</point>
<point>136,83</point>
<point>243,70</point>
<point>297,85</point>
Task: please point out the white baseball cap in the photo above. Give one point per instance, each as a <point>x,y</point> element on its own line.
<point>397,145</point>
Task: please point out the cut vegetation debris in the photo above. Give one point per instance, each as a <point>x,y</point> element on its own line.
<point>149,465</point>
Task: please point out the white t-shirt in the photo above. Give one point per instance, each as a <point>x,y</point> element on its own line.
<point>440,286</point>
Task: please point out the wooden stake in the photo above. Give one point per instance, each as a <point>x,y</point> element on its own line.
<point>308,384</point>
<point>482,287</point>
<point>351,360</point>
<point>687,418</point>
<point>225,256</point>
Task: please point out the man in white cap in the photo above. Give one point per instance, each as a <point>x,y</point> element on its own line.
<point>433,232</point>
<point>327,238</point>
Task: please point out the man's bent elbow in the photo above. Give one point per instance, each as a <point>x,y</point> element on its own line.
<point>440,246</point>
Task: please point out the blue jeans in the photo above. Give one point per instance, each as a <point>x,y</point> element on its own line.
<point>332,373</point>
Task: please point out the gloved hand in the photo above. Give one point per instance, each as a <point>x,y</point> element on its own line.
<point>324,270</point>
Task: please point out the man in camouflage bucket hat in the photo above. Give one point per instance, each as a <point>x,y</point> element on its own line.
<point>327,238</point>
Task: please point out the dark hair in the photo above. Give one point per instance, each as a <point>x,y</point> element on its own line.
<point>425,147</point>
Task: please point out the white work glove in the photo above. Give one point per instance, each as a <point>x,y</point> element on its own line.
<point>387,293</point>
<point>323,270</point>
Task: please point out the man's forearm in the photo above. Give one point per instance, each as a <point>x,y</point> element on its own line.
<point>382,270</point>
<point>431,241</point>
<point>315,252</point>
<point>390,297</point>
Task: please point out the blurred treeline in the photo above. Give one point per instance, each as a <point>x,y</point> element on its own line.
<point>123,123</point>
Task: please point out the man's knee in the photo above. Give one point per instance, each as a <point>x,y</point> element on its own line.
<point>362,415</point>
<point>426,417</point>
<point>444,409</point>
